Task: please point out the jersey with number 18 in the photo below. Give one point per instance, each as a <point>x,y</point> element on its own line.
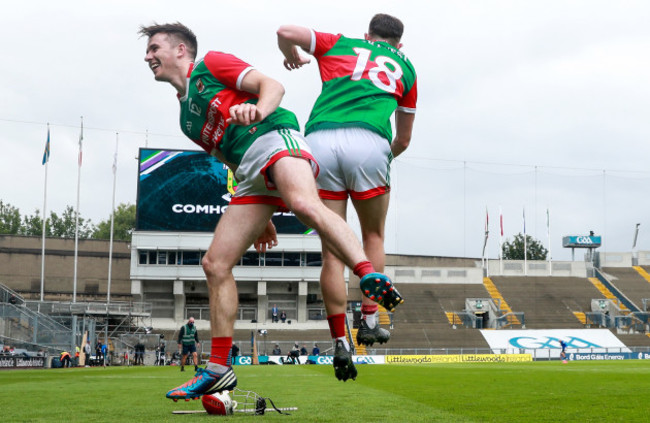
<point>364,82</point>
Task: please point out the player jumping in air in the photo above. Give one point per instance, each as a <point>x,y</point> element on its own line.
<point>231,110</point>
<point>349,132</point>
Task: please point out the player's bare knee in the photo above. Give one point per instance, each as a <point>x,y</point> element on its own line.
<point>215,270</point>
<point>373,238</point>
<point>306,211</point>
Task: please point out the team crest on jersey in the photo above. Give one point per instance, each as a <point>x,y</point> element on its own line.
<point>252,130</point>
<point>232,183</point>
<point>200,86</point>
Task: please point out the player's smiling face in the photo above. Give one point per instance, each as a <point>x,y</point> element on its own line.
<point>160,56</point>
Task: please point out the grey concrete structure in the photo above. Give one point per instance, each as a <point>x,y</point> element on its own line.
<point>20,268</point>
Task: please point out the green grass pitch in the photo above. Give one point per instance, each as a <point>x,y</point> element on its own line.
<point>478,392</point>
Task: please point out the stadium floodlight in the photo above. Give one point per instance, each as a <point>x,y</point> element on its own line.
<point>636,235</point>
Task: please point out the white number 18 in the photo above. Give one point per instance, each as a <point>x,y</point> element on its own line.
<point>392,75</point>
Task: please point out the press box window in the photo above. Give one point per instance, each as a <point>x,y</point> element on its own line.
<point>250,259</point>
<point>313,259</point>
<point>273,259</point>
<point>291,259</point>
<point>191,258</point>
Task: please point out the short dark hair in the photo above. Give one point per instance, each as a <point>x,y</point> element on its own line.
<point>387,27</point>
<point>179,32</point>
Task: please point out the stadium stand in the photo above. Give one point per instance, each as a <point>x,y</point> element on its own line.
<point>634,339</point>
<point>421,322</point>
<point>643,272</point>
<point>607,293</point>
<point>548,302</point>
<point>631,283</point>
<point>498,298</point>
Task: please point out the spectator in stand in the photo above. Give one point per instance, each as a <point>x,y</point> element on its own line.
<point>303,350</point>
<point>315,350</point>
<point>274,314</point>
<point>283,316</point>
<point>276,350</point>
<point>77,353</point>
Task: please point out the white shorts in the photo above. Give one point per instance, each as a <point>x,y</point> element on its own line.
<point>254,186</point>
<point>353,161</point>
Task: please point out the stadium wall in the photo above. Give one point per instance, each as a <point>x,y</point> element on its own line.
<point>641,258</point>
<point>576,269</point>
<point>20,268</point>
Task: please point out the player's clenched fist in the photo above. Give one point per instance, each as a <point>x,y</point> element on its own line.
<point>244,114</point>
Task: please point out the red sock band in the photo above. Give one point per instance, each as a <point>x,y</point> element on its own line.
<point>220,351</point>
<point>337,325</point>
<point>363,268</point>
<point>369,308</point>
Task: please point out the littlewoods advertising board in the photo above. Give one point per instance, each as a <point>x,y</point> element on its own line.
<point>391,359</point>
<point>188,191</point>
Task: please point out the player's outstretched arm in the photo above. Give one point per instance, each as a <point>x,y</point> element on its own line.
<point>290,37</point>
<point>270,94</point>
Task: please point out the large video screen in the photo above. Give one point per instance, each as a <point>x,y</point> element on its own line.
<point>183,190</point>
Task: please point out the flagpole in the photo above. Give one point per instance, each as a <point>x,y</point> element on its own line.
<point>76,220</point>
<point>110,248</point>
<point>501,240</point>
<point>487,231</point>
<point>548,233</point>
<point>46,159</point>
<point>525,247</point>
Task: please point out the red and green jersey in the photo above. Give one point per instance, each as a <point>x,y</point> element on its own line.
<point>213,86</point>
<point>364,82</point>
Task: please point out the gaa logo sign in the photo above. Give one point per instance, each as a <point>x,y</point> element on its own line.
<point>584,240</point>
<point>244,360</point>
<point>324,360</point>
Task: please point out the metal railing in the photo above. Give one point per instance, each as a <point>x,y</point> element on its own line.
<point>203,313</point>
<point>250,313</point>
<point>8,295</point>
<point>113,308</point>
<point>511,320</point>
<point>21,323</point>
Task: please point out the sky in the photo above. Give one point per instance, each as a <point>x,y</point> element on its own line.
<point>528,108</point>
